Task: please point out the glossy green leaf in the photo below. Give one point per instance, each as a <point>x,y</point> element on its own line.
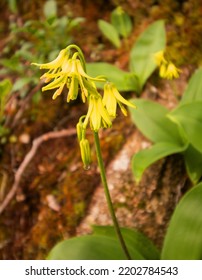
<point>91,247</point>
<point>121,22</point>
<point>183,239</point>
<point>151,119</point>
<point>133,239</point>
<point>109,32</point>
<point>143,159</point>
<point>193,162</point>
<point>189,119</point>
<point>193,91</point>
<point>123,80</point>
<point>152,40</point>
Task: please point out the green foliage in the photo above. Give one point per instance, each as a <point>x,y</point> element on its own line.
<point>50,9</point>
<point>120,26</point>
<point>12,4</point>
<point>142,63</point>
<point>5,89</point>
<point>122,22</point>
<point>109,32</point>
<point>183,240</point>
<point>103,245</point>
<point>35,40</point>
<point>178,131</point>
<point>123,80</point>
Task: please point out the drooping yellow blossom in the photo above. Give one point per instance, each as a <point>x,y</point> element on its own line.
<point>112,97</point>
<point>167,69</point>
<point>69,72</point>
<point>97,115</point>
<point>159,58</point>
<point>171,72</point>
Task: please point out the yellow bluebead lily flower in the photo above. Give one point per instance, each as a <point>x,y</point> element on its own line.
<point>67,71</point>
<point>112,97</point>
<point>162,70</point>
<point>172,71</point>
<point>167,69</point>
<point>159,58</point>
<point>97,115</point>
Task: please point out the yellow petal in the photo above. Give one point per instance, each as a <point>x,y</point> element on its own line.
<point>121,99</point>
<point>56,83</point>
<point>55,63</point>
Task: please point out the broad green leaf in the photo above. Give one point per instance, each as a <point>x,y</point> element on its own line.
<point>152,40</point>
<point>91,247</point>
<point>183,240</point>
<point>145,158</point>
<point>150,118</point>
<point>133,239</point>
<point>109,32</point>
<point>189,119</point>
<point>193,161</point>
<point>121,21</point>
<point>123,80</point>
<point>193,91</point>
<point>50,9</point>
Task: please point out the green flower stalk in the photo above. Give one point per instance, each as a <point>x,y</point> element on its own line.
<point>69,70</point>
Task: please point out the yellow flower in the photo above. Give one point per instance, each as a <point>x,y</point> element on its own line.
<point>171,72</point>
<point>167,69</point>
<point>159,58</point>
<point>162,70</point>
<point>85,153</point>
<point>97,115</point>
<point>66,71</point>
<point>112,97</point>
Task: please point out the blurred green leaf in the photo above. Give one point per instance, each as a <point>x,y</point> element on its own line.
<point>133,239</point>
<point>183,239</point>
<point>152,40</point>
<point>189,119</point>
<point>91,247</point>
<point>123,80</point>
<point>193,162</point>
<point>151,119</point>
<point>50,9</point>
<point>121,22</point>
<point>143,159</point>
<point>109,32</point>
<point>13,6</point>
<point>5,89</point>
<point>193,91</point>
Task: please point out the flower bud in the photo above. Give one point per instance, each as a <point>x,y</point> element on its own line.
<point>85,153</point>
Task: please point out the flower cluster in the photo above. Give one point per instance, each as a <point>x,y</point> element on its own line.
<point>68,70</point>
<point>167,69</point>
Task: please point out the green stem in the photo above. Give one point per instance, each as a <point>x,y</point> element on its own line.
<point>108,197</point>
